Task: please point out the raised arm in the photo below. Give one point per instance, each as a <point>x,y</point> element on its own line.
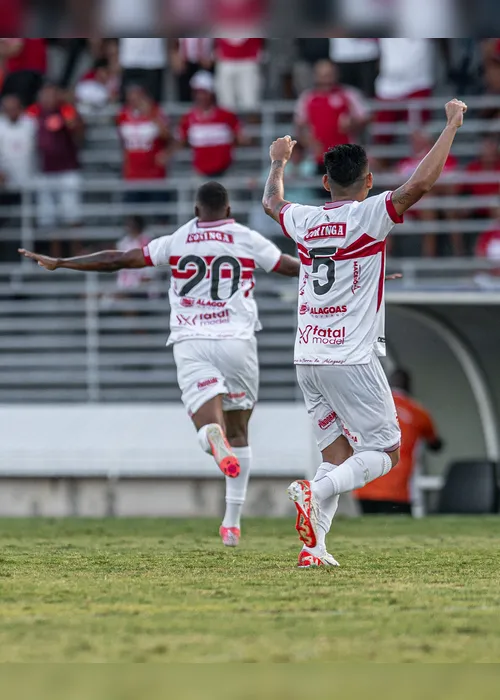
<point>431,167</point>
<point>104,261</point>
<point>273,199</point>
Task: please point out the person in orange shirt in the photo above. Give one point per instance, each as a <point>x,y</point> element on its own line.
<point>390,494</point>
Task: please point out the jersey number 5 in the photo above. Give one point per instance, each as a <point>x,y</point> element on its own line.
<point>323,264</point>
<point>216,267</point>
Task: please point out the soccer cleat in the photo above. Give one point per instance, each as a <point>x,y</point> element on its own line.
<point>308,560</point>
<point>221,450</point>
<point>301,494</point>
<point>230,536</point>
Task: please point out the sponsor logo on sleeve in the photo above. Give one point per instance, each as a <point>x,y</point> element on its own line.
<point>207,382</point>
<point>356,277</point>
<point>322,336</point>
<point>241,395</point>
<point>336,230</point>
<point>327,421</point>
<point>353,437</point>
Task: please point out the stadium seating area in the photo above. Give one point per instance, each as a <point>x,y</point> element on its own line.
<point>84,338</point>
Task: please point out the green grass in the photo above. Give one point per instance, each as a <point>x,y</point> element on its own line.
<point>164,590</point>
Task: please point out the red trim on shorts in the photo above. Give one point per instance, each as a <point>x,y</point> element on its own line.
<point>391,210</point>
<point>282,218</point>
<point>147,256</point>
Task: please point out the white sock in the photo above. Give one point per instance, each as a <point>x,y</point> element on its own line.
<point>202,438</point>
<point>236,489</point>
<point>354,473</point>
<point>328,506</point>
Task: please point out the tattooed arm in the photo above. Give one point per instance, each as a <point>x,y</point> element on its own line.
<point>273,200</point>
<point>104,261</point>
<point>431,167</point>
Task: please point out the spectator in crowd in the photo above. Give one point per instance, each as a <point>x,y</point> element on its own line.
<point>393,493</point>
<point>145,136</point>
<point>488,247</point>
<point>17,149</point>
<point>421,144</point>
<point>60,131</point>
<point>97,88</point>
<point>188,56</point>
<point>329,114</point>
<point>487,162</point>
<point>25,66</point>
<point>144,63</point>
<point>406,73</point>
<point>238,73</point>
<point>309,52</point>
<point>135,237</point>
<point>209,130</point>
<point>357,61</point>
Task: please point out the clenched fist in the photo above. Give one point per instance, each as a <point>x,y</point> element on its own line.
<point>455,110</point>
<point>281,149</point>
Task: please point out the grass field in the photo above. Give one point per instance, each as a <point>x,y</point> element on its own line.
<point>156,590</point>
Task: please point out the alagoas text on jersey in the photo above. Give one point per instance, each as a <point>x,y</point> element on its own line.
<point>211,290</point>
<point>341,290</point>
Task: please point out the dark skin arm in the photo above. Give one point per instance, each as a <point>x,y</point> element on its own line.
<point>288,266</point>
<point>103,261</point>
<point>431,167</point>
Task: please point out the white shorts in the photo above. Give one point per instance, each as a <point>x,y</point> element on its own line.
<point>207,368</point>
<point>237,85</point>
<point>59,198</point>
<point>351,400</point>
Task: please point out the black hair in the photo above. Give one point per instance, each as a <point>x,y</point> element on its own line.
<point>136,222</point>
<point>212,197</point>
<point>401,379</point>
<point>345,164</point>
<point>101,63</point>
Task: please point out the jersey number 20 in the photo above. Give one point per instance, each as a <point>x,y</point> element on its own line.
<point>215,266</point>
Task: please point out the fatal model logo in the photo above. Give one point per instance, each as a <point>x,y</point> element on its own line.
<point>356,276</point>
<point>323,336</point>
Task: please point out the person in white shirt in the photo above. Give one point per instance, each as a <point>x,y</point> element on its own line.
<point>17,144</point>
<point>144,61</point>
<point>340,322</point>
<point>212,326</point>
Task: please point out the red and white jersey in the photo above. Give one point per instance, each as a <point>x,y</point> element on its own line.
<point>142,145</point>
<point>239,49</point>
<point>211,134</point>
<point>213,265</point>
<point>341,290</point>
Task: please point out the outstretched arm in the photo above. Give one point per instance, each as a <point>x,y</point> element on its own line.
<point>273,199</point>
<point>288,266</point>
<point>431,167</point>
<point>104,261</point>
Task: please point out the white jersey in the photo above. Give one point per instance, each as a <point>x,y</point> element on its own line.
<point>213,265</point>
<point>341,292</point>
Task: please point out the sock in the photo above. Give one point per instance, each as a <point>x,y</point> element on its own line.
<point>236,489</point>
<point>355,472</point>
<point>202,438</point>
<point>328,506</point>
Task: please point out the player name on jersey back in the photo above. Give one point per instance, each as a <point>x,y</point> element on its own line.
<point>341,289</point>
<point>211,290</point>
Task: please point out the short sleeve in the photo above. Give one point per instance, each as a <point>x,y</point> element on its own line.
<point>293,219</point>
<point>157,252</point>
<point>266,254</point>
<point>377,216</point>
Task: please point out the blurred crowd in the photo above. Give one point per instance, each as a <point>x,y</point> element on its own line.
<point>51,88</point>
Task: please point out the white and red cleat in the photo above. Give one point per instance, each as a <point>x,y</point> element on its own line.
<point>221,450</point>
<point>309,559</point>
<point>230,536</point>
<point>301,494</point>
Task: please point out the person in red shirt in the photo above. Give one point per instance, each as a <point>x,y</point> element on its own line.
<point>421,144</point>
<point>60,132</point>
<point>210,130</point>
<point>488,162</point>
<point>25,65</point>
<point>145,136</point>
<point>237,73</point>
<point>391,494</point>
<point>329,114</point>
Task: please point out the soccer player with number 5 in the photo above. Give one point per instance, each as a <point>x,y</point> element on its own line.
<point>341,319</point>
<point>212,326</point>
